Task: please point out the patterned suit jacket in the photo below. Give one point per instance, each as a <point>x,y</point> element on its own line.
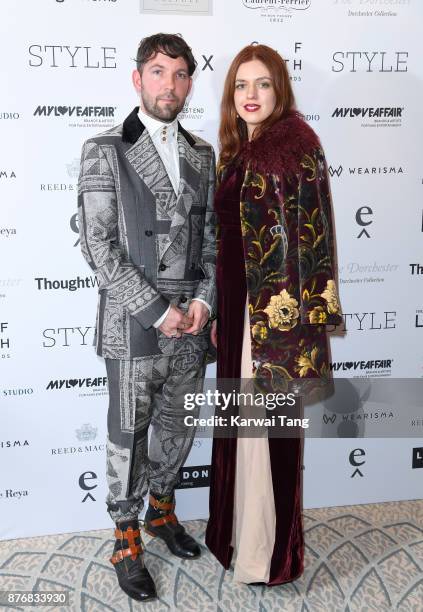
<point>147,245</point>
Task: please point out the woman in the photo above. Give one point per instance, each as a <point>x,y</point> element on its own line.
<point>276,265</point>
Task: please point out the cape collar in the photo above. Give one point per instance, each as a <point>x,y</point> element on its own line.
<point>281,147</point>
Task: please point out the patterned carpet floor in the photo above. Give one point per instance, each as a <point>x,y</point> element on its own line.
<point>358,558</point>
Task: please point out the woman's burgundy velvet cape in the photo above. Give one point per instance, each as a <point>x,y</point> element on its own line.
<point>285,453</point>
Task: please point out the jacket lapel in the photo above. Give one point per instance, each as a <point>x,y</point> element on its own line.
<point>190,174</point>
<point>147,163</point>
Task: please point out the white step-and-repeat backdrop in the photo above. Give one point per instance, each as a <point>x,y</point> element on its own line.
<point>356,67</point>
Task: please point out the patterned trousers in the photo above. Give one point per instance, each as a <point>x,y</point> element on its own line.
<point>148,394</point>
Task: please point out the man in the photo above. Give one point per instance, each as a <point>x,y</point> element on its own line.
<point>147,230</point>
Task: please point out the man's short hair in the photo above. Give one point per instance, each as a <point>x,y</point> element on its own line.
<point>172,45</point>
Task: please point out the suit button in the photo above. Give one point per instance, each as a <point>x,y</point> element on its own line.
<point>183,299</point>
<point>162,267</point>
<point>148,233</point>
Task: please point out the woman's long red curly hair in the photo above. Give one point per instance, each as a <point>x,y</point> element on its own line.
<point>233,129</point>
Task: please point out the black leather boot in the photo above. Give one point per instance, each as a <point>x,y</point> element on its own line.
<point>128,560</point>
<point>161,521</point>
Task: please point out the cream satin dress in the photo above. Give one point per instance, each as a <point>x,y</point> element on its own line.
<point>253,531</point>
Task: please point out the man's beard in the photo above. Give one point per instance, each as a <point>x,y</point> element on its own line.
<point>161,112</point>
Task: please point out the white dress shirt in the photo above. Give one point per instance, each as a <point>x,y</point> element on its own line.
<point>165,139</point>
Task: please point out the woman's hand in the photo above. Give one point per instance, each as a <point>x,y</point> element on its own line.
<point>213,333</point>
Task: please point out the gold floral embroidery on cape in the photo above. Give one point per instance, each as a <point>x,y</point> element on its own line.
<point>256,180</point>
<point>260,332</point>
<point>307,361</point>
<point>331,296</point>
<point>282,311</point>
<point>309,164</point>
<point>317,316</point>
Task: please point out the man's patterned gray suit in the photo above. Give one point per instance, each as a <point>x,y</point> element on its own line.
<point>148,247</point>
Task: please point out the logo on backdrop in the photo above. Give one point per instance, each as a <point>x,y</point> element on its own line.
<point>370,61</point>
<point>364,170</point>
<point>312,117</point>
<point>329,418</point>
<point>11,115</point>
<point>18,392</point>
<point>79,116</point>
<point>89,387</point>
<point>13,443</point>
<point>85,482</point>
<point>7,174</point>
<point>419,318</point>
<point>179,7</point>
<point>12,494</point>
<point>355,417</point>
<point>356,369</point>
<point>417,422</point>
<point>352,272</point>
<point>78,383</point>
<point>4,340</point>
<point>350,4</point>
<point>73,284</point>
<point>417,457</point>
<point>75,111</point>
<point>295,66</point>
<point>72,170</point>
<point>366,321</point>
<point>192,113</point>
<point>416,269</point>
<point>371,116</point>
<point>363,219</point>
<point>7,232</point>
<point>66,56</point>
<point>86,434</point>
<point>207,63</point>
<point>193,477</point>
<point>65,337</point>
<point>8,283</point>
<point>357,461</point>
<point>277,11</point>
<point>58,187</point>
